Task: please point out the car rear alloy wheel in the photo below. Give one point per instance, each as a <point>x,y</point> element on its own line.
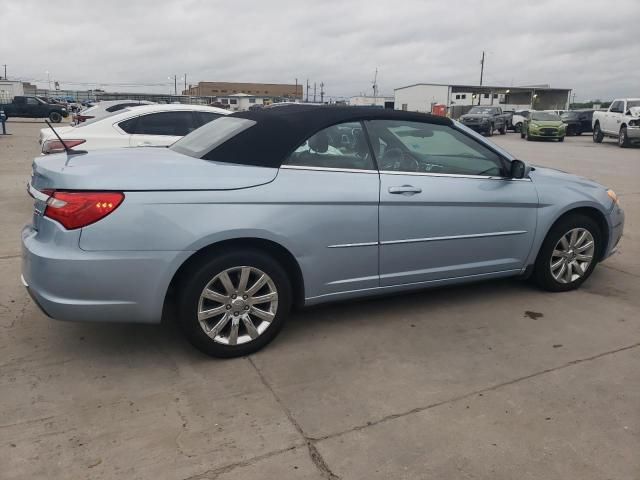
<point>55,117</point>
<point>572,255</point>
<point>568,254</point>
<point>598,136</point>
<point>518,127</point>
<point>233,302</point>
<point>237,305</point>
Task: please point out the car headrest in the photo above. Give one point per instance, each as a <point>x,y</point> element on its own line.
<point>319,143</point>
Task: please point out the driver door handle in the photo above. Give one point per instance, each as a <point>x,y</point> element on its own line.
<point>405,190</point>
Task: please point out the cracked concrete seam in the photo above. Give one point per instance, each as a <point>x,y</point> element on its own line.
<point>314,454</point>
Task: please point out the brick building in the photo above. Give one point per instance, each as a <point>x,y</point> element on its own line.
<point>223,89</point>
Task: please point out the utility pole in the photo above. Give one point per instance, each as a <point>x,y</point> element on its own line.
<point>307,91</point>
<point>5,71</point>
<point>295,95</point>
<point>185,82</point>
<point>175,84</point>
<point>481,73</point>
<point>375,86</point>
<point>321,92</point>
<point>314,92</point>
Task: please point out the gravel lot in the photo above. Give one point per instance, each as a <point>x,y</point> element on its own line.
<point>496,380</point>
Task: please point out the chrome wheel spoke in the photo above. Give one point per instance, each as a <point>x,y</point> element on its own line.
<point>264,298</point>
<point>215,330</point>
<point>559,253</point>
<point>261,282</point>
<point>226,283</point>
<point>556,265</point>
<point>569,273</point>
<point>573,237</point>
<point>212,312</point>
<point>233,334</point>
<point>581,238</point>
<point>584,258</point>
<point>244,278</point>
<point>262,314</point>
<point>227,310</point>
<point>584,247</point>
<point>214,296</point>
<point>564,243</point>
<point>251,328</point>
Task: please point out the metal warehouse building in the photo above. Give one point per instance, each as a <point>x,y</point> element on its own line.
<point>458,99</point>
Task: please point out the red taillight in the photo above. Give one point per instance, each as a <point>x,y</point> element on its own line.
<point>79,209</point>
<point>53,145</point>
<point>83,118</point>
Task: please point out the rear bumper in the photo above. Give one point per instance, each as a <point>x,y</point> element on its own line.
<point>68,283</point>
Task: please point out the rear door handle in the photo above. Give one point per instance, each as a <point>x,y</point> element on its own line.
<point>405,190</point>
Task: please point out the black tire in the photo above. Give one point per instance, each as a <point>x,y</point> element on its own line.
<point>503,130</point>
<point>518,127</point>
<point>623,138</point>
<point>199,276</point>
<point>578,131</point>
<point>542,271</point>
<point>527,136</point>
<point>561,139</point>
<point>598,136</point>
<point>490,131</point>
<point>522,132</point>
<point>55,117</point>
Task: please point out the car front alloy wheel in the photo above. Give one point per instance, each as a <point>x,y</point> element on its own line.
<point>572,255</point>
<point>568,254</point>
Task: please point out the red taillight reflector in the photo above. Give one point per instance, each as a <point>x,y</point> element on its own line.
<point>79,209</point>
<point>53,145</point>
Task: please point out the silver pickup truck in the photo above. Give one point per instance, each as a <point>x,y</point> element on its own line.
<point>620,121</point>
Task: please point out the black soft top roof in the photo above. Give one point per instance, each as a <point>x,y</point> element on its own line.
<point>280,130</point>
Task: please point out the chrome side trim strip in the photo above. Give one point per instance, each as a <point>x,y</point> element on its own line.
<point>453,237</point>
<point>37,194</point>
<point>453,175</point>
<point>349,245</point>
<point>323,169</point>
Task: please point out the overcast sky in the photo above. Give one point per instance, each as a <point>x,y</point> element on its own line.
<point>592,46</point>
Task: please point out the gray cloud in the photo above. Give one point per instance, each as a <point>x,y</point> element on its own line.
<point>588,45</point>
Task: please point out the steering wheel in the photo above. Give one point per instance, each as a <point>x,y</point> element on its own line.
<point>396,160</point>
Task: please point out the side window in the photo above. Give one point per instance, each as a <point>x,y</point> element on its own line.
<point>430,148</point>
<point>339,146</point>
<point>616,107</point>
<point>205,117</point>
<point>32,101</point>
<point>176,124</point>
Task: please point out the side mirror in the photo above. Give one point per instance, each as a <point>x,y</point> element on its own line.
<point>519,169</point>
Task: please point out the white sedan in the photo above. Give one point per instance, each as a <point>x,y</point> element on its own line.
<point>144,126</point>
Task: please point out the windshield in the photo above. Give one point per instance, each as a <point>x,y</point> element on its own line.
<point>483,110</point>
<point>545,116</point>
<point>210,135</point>
<point>569,115</point>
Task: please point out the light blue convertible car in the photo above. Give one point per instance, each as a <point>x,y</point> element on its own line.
<point>257,212</point>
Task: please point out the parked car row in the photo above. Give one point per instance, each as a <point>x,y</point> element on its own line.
<point>146,125</point>
<point>257,212</point>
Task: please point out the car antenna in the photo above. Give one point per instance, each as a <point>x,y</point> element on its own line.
<point>64,145</point>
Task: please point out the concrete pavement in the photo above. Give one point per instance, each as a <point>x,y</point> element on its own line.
<point>496,380</point>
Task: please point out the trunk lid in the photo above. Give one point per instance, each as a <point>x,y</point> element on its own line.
<point>131,169</point>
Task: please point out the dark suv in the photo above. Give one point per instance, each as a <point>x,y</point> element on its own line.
<point>577,121</point>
